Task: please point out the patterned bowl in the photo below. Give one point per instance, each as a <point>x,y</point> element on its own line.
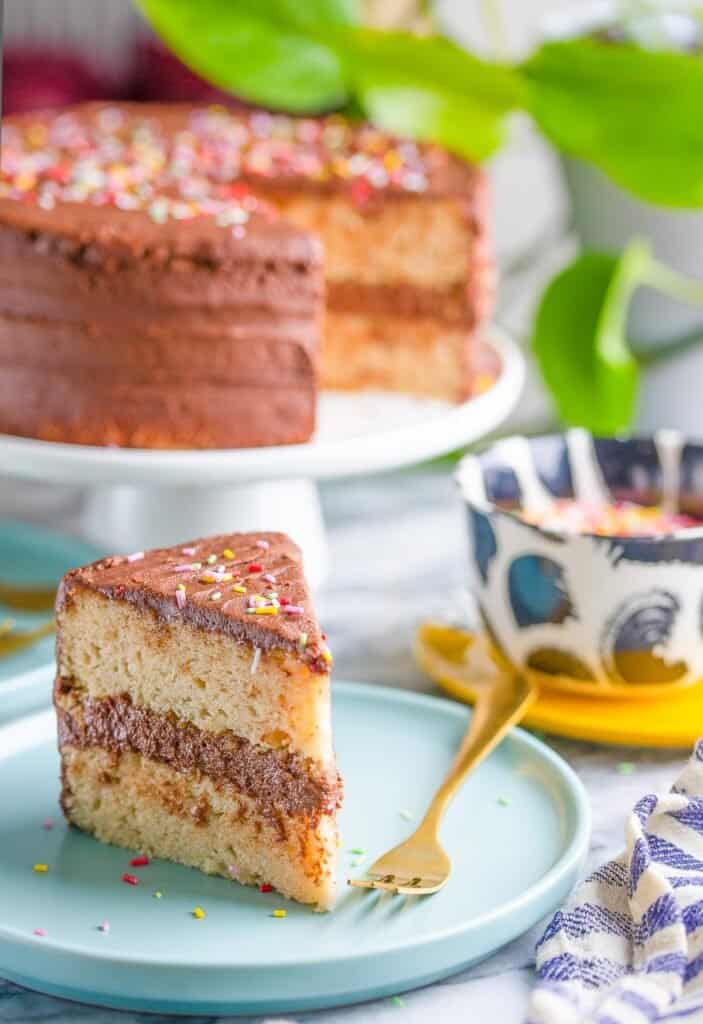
<point>620,616</point>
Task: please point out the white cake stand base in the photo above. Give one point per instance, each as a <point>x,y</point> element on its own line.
<point>125,518</point>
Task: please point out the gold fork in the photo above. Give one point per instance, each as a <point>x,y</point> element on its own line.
<point>419,866</point>
<point>27,599</point>
<point>12,640</point>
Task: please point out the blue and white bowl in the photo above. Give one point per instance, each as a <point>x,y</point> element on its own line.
<point>620,616</point>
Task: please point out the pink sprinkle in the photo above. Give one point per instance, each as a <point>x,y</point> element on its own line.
<point>48,824</point>
<point>268,577</point>
<point>181,598</point>
<point>136,557</point>
<point>188,551</point>
<point>104,926</point>
<point>263,544</point>
<point>40,931</point>
<point>188,567</point>
<point>233,870</point>
<point>129,879</point>
<point>139,862</point>
<point>294,609</point>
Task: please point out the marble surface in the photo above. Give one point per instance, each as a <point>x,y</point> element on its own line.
<point>398,554</point>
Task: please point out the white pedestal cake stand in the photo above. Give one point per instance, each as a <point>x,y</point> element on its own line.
<point>139,499</point>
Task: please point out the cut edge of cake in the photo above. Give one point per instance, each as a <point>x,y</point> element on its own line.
<point>193,705</point>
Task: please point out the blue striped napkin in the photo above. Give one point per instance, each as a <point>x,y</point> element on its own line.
<point>628,946</point>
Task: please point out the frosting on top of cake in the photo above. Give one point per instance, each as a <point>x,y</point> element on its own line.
<point>178,162</point>
<point>109,156</point>
<point>248,585</point>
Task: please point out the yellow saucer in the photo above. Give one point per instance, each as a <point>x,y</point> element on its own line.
<point>445,654</point>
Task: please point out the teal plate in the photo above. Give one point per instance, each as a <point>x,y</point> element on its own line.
<point>517,833</point>
<point>34,557</point>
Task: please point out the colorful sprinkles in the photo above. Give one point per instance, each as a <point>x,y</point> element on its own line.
<point>198,913</point>
<point>617,519</point>
<point>130,879</point>
<point>40,869</point>
<point>130,163</point>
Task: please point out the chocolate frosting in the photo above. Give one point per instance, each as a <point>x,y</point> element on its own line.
<point>151,580</point>
<point>279,781</point>
<point>124,322</point>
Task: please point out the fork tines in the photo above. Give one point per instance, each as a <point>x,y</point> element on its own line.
<point>390,883</point>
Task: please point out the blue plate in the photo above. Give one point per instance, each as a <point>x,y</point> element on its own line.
<point>517,834</point>
<point>32,556</point>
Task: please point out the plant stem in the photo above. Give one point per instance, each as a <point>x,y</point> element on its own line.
<point>654,355</point>
<point>677,286</point>
<point>671,282</point>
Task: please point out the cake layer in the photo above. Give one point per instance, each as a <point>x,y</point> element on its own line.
<point>121,631</point>
<point>280,783</point>
<point>76,262</point>
<point>131,801</point>
<point>80,407</point>
<point>155,354</point>
<point>420,356</point>
<point>423,241</point>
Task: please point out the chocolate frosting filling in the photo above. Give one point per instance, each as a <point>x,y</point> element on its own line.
<point>281,782</point>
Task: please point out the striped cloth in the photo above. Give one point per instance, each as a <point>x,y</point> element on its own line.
<point>628,946</point>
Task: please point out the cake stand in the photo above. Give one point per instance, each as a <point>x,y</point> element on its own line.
<point>137,499</point>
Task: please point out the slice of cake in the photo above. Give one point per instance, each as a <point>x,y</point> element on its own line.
<point>193,704</point>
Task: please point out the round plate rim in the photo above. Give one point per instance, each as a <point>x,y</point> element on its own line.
<point>393,448</point>
<point>570,857</point>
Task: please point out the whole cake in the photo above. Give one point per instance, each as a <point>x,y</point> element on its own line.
<point>193,703</point>
<point>161,273</point>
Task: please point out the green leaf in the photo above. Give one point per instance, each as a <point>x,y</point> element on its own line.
<point>429,88</point>
<point>636,114</point>
<point>264,51</point>
<point>579,339</point>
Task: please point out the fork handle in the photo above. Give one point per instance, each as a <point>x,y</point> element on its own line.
<point>498,708</point>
